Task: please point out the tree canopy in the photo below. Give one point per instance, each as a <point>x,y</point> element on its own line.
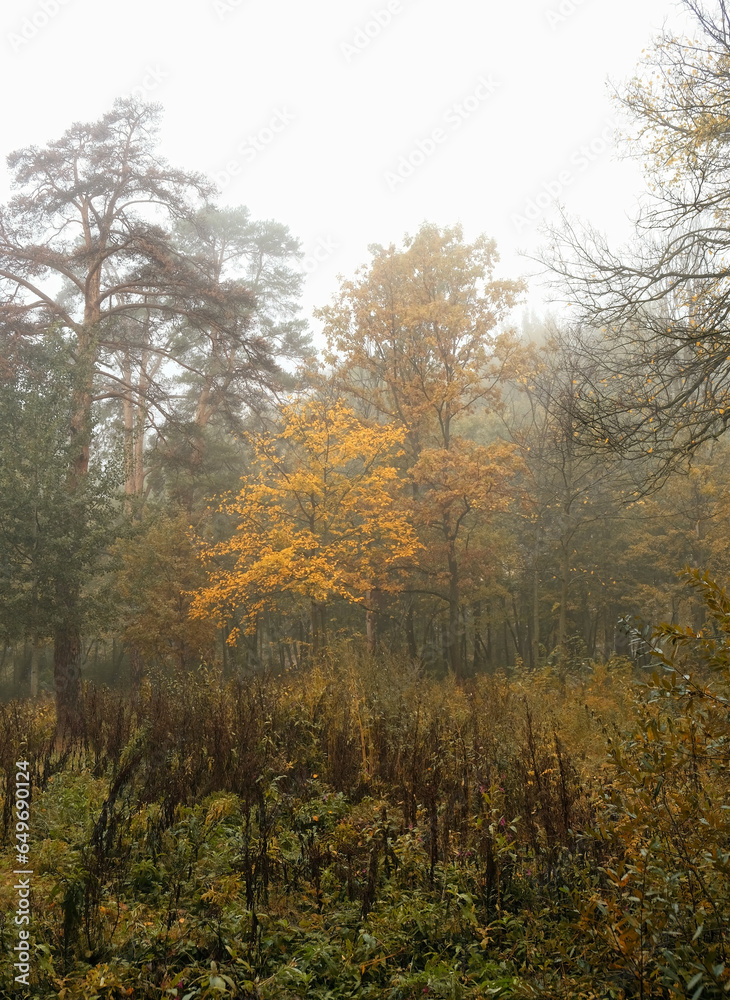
<point>657,312</point>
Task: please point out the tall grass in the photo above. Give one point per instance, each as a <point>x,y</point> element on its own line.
<point>357,828</point>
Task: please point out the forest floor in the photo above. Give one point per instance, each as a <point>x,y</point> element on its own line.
<point>344,831</point>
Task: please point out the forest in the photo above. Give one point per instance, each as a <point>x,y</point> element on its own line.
<point>385,660</point>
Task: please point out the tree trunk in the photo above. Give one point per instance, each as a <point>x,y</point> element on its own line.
<point>136,673</point>
<point>535,646</point>
<point>452,640</point>
<point>323,625</point>
<point>225,656</point>
<point>67,638</point>
<point>35,668</point>
<point>374,618</point>
<point>314,620</point>
<point>67,678</point>
<point>128,414</point>
<point>135,423</point>
<point>319,631</point>
<point>517,632</point>
<point>411,633</point>
<point>564,584</point>
<point>21,669</point>
<point>477,632</point>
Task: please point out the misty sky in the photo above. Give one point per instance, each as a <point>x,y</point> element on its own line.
<point>354,122</point>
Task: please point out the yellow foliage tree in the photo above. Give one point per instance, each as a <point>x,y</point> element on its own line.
<point>414,340</point>
<point>319,518</point>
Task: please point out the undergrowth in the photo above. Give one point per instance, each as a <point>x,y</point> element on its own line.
<point>359,830</point>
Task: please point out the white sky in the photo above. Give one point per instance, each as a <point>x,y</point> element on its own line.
<point>530,76</point>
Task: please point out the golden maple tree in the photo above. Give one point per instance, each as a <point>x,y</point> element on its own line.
<point>318,518</point>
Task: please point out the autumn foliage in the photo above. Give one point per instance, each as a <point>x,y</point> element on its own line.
<point>319,518</point>
<point>420,701</point>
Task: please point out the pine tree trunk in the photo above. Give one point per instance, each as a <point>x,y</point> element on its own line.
<point>67,638</point>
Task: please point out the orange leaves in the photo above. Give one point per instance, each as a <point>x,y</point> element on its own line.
<point>319,518</point>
